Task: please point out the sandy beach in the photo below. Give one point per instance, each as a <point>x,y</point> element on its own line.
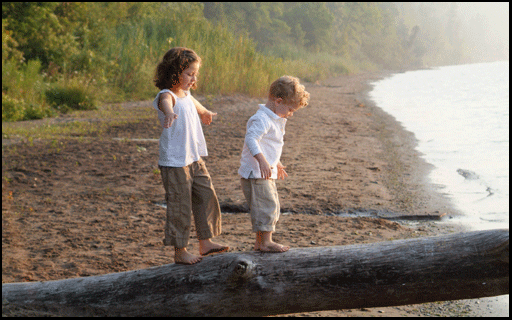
<point>84,206</point>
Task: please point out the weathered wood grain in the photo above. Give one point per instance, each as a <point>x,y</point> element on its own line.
<point>448,267</point>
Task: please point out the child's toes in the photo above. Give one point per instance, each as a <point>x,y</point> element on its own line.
<point>274,248</point>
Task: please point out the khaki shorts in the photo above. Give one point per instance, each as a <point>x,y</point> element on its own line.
<point>261,195</point>
<point>189,191</point>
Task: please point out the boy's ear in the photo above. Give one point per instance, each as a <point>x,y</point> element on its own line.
<point>278,100</point>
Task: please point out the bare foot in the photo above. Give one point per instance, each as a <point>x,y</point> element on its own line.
<point>271,247</point>
<point>264,243</point>
<point>182,256</point>
<point>207,247</point>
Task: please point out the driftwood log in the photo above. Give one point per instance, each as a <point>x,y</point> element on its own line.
<point>448,267</point>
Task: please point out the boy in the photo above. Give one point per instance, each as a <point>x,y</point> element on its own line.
<point>260,164</point>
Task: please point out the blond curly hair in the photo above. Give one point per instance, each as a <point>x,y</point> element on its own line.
<point>290,90</point>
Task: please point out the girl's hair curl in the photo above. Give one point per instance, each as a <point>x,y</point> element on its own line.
<point>172,65</point>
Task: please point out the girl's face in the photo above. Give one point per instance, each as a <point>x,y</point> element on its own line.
<point>189,76</point>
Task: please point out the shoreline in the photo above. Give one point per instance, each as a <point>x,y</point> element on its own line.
<point>88,219</point>
<point>481,307</point>
<point>413,182</point>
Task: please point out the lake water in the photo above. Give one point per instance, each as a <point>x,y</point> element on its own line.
<point>460,116</point>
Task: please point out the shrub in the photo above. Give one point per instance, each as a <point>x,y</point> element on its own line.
<point>65,99</point>
<point>12,108</point>
<point>18,109</point>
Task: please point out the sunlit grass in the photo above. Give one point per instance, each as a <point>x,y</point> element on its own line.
<point>79,125</point>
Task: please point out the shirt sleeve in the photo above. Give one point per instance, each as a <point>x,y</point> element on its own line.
<point>256,128</point>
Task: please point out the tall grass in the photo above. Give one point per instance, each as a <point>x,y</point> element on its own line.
<point>23,91</point>
<point>123,68</point>
<point>230,64</point>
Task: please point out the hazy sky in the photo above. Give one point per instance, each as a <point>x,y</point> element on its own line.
<point>486,28</point>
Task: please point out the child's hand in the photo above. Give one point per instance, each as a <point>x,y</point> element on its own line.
<point>207,117</point>
<point>169,119</point>
<point>281,173</point>
<point>265,168</point>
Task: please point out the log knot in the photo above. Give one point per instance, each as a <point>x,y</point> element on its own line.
<point>241,268</point>
<point>242,271</point>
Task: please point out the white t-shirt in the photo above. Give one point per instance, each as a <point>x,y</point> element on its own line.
<point>183,142</point>
<point>265,132</point>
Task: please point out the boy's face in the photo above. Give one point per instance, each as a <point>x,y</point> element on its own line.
<point>283,109</point>
<point>188,77</point>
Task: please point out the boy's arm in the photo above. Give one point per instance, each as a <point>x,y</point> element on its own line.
<point>256,129</point>
<point>205,115</point>
<point>165,105</point>
<point>265,168</point>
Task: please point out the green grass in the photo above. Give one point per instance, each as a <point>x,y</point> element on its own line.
<point>85,124</point>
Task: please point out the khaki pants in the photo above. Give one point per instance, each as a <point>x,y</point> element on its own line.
<point>261,195</point>
<point>190,190</point>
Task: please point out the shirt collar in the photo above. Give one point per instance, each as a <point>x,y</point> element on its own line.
<point>270,113</point>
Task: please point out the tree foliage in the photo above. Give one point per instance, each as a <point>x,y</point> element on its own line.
<point>110,49</point>
<point>379,34</point>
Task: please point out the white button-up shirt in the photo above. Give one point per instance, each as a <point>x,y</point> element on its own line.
<point>265,132</point>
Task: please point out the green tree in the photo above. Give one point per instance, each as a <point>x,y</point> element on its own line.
<point>355,23</point>
<point>39,32</point>
<point>9,45</point>
<point>262,21</point>
<point>315,20</point>
<point>381,43</point>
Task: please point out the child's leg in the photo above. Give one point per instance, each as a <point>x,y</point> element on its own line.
<point>264,205</point>
<point>178,220</point>
<point>206,210</point>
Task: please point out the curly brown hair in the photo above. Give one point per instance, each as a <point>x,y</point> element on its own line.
<point>290,90</point>
<point>172,65</point>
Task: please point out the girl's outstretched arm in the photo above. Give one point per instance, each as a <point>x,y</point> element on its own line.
<point>205,115</point>
<point>166,104</point>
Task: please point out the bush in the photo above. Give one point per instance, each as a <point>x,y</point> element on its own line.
<point>18,109</point>
<point>12,109</point>
<point>22,91</point>
<point>35,111</point>
<point>65,99</point>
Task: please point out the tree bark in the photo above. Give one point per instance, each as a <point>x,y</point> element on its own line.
<point>448,267</point>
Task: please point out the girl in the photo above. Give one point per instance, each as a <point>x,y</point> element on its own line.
<point>187,183</point>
